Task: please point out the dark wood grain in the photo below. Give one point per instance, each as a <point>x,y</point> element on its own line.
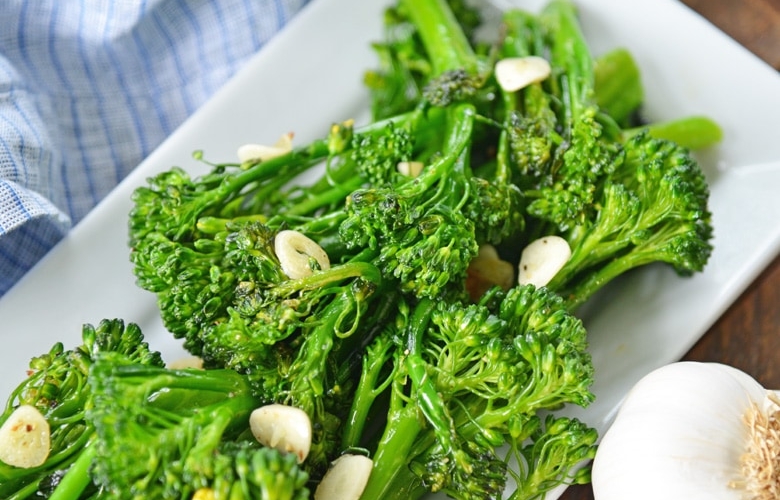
<point>753,23</point>
<point>747,336</point>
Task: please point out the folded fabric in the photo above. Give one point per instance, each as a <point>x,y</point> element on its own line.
<point>88,89</point>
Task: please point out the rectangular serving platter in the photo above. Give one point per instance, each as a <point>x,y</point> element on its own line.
<point>310,76</point>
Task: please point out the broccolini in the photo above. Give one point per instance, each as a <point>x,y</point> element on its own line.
<point>386,342</point>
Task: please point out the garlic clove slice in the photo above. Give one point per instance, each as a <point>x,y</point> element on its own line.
<point>345,479</point>
<point>285,142</point>
<point>262,152</point>
<point>25,438</point>
<point>195,362</point>
<point>486,270</point>
<point>410,168</point>
<point>514,73</point>
<point>541,260</point>
<point>294,249</point>
<point>285,428</point>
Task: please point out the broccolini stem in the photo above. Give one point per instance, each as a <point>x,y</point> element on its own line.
<point>447,45</point>
<point>152,379</point>
<point>391,477</point>
<point>367,391</point>
<point>27,491</point>
<point>77,478</point>
<point>460,123</point>
<point>287,166</point>
<point>571,53</point>
<point>597,278</point>
<point>364,270</point>
<point>417,325</point>
<point>334,195</point>
<point>373,357</point>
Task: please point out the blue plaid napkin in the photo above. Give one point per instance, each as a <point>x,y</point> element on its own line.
<point>89,88</point>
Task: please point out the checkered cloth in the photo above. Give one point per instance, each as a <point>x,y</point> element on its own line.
<point>89,88</point>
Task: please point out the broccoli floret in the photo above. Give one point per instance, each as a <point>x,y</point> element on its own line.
<point>301,356</point>
<point>168,434</point>
<point>555,452</point>
<point>427,229</point>
<point>405,69</point>
<point>196,241</point>
<point>58,387</point>
<point>245,471</point>
<point>479,376</point>
<point>423,238</point>
<point>620,197</point>
<point>378,155</point>
<point>653,209</point>
<point>451,86</point>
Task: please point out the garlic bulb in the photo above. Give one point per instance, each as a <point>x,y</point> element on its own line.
<point>692,431</point>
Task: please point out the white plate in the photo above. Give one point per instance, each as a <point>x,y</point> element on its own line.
<point>310,76</point>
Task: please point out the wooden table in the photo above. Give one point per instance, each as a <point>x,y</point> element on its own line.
<point>747,336</point>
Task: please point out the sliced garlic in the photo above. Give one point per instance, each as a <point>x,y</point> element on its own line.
<point>25,439</point>
<point>262,152</point>
<point>410,168</point>
<point>285,428</point>
<point>186,362</point>
<point>542,259</point>
<point>486,270</point>
<point>345,479</point>
<point>514,73</point>
<point>294,250</point>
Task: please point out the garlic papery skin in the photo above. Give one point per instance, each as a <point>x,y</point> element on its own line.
<point>681,433</point>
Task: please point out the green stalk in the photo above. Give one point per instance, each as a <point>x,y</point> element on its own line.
<point>366,393</point>
<point>447,45</point>
<point>391,477</point>
<point>336,194</point>
<point>373,357</point>
<point>336,273</point>
<point>570,52</point>
<point>460,128</point>
<point>77,478</point>
<point>27,491</point>
<point>288,166</point>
